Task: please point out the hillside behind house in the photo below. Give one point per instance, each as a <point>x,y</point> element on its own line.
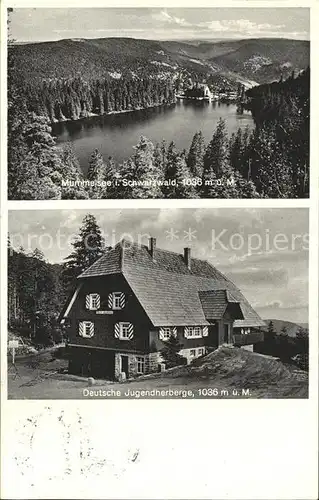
<point>291,327</point>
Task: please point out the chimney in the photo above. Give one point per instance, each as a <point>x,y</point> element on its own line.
<point>152,246</point>
<point>187,257</point>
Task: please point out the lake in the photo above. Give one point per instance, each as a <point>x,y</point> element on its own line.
<point>115,135</point>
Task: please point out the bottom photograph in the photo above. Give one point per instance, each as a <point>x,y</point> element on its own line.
<point>158,303</point>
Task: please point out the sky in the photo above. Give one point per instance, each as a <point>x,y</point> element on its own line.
<point>43,24</point>
<point>263,251</point>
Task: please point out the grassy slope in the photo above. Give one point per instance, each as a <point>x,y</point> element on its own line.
<point>225,369</point>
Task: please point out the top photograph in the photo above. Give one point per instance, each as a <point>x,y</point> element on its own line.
<point>122,103</point>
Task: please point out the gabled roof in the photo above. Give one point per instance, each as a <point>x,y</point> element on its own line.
<point>166,288</point>
<point>109,263</point>
<point>216,302</point>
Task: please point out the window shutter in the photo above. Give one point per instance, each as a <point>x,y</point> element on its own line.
<point>87,301</point>
<point>110,301</point>
<point>205,331</point>
<point>161,333</point>
<point>117,330</point>
<point>122,300</point>
<point>81,329</point>
<point>186,332</point>
<point>98,302</point>
<point>174,331</point>
<point>91,330</point>
<point>131,332</point>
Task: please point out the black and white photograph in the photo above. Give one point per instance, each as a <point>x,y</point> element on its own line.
<point>107,103</point>
<point>158,303</point>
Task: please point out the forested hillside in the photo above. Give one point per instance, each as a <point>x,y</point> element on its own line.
<point>279,343</point>
<point>73,99</point>
<point>281,111</point>
<point>261,60</point>
<point>35,296</point>
<point>37,290</point>
<point>266,60</point>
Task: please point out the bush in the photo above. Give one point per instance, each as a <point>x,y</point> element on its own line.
<point>170,353</point>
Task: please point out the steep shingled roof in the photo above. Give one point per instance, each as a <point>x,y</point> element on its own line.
<point>215,303</point>
<point>167,290</point>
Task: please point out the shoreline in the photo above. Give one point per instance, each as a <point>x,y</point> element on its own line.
<point>110,113</point>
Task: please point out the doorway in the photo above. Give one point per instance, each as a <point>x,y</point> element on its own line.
<point>124,365</point>
<point>226,333</point>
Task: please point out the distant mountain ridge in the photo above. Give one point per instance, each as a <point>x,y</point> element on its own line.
<point>260,60</point>
<point>292,328</point>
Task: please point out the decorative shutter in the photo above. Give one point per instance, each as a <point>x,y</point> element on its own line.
<point>110,301</point>
<point>161,333</point>
<point>122,300</point>
<point>205,331</point>
<point>87,301</point>
<point>131,331</point>
<point>91,329</point>
<point>186,332</point>
<point>81,328</point>
<point>98,301</point>
<point>117,330</point>
<point>174,331</point>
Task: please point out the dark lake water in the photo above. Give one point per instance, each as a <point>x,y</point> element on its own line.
<point>115,135</point>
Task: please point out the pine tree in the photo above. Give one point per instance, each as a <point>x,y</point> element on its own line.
<point>284,331</point>
<point>216,161</point>
<point>236,148</point>
<point>271,171</point>
<point>114,177</point>
<point>195,159</point>
<point>180,172</point>
<point>158,157</point>
<point>88,247</point>
<point>71,171</point>
<point>97,175</point>
<point>144,170</point>
<point>170,352</point>
<point>34,164</point>
<point>302,339</point>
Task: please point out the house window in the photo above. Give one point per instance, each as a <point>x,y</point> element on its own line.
<point>245,331</point>
<point>192,353</point>
<point>123,331</point>
<point>86,329</point>
<point>92,301</point>
<point>165,332</point>
<point>116,300</point>
<point>140,364</point>
<point>193,332</point>
<point>201,351</point>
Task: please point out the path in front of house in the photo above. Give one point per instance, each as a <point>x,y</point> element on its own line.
<point>45,383</point>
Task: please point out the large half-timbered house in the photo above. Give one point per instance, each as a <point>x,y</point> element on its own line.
<point>131,300</point>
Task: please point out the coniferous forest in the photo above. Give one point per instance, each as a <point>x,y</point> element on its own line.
<point>272,161</point>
